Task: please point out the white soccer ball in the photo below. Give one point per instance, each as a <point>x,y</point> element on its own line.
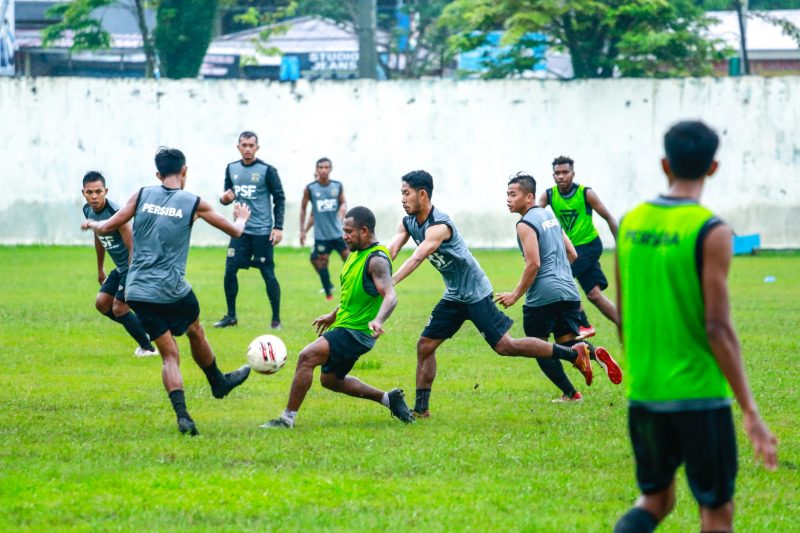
<point>266,354</point>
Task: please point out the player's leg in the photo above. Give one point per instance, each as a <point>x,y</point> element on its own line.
<point>264,258</point>
<point>658,455</point>
<point>539,322</point>
<point>104,302</point>
<point>321,265</point>
<point>565,330</point>
<point>606,306</point>
<point>123,314</point>
<point>346,347</point>
<point>445,320</point>
<point>239,252</point>
<point>592,279</point>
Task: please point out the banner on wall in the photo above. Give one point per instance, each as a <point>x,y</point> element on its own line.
<point>7,43</point>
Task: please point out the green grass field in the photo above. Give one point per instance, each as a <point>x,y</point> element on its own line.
<point>89,440</point>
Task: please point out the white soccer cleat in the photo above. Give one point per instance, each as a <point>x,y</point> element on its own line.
<point>142,352</point>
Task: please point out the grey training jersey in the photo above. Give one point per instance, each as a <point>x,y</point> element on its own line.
<point>112,242</point>
<point>258,186</point>
<point>161,230</point>
<point>325,207</point>
<point>554,281</point>
<point>464,280</point>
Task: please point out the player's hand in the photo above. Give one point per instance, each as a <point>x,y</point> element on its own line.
<point>241,211</point>
<point>86,225</point>
<point>765,445</point>
<point>302,237</point>
<point>276,236</point>
<point>377,328</point>
<point>506,299</point>
<point>227,197</point>
<point>101,277</point>
<point>323,322</point>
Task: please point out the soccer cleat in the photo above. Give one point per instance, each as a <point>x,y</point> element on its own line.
<point>276,325</point>
<point>398,407</point>
<point>277,423</point>
<point>577,397</point>
<point>232,380</point>
<point>329,297</point>
<point>186,425</point>
<point>144,352</point>
<point>608,364</point>
<point>583,362</point>
<point>226,321</point>
<point>425,414</point>
<point>586,332</point>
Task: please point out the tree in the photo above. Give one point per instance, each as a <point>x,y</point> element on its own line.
<point>88,31</point>
<point>639,38</point>
<point>182,35</point>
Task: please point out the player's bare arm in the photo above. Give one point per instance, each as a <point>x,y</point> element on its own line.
<point>235,229</point>
<point>572,253</point>
<point>100,252</point>
<point>619,297</point>
<point>303,206</point>
<point>115,222</point>
<point>601,209</point>
<point>323,322</point>
<point>434,237</point>
<point>717,252</point>
<point>399,240</point>
<point>381,273</point>
<point>227,197</point>
<point>530,247</point>
<point>342,204</point>
<point>542,200</point>
<point>127,237</point>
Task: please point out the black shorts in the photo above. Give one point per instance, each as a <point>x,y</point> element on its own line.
<point>326,247</point>
<point>448,316</point>
<point>704,440</point>
<point>586,268</point>
<point>175,317</point>
<point>345,351</point>
<point>559,318</point>
<point>249,250</point>
<point>114,285</point>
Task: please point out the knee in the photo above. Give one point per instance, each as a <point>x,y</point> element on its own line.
<point>323,261</point>
<point>425,348</point>
<point>195,331</point>
<point>306,360</point>
<point>120,308</point>
<point>102,306</point>
<point>329,381</point>
<point>505,346</point>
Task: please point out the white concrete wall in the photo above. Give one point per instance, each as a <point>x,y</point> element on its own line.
<point>470,135</point>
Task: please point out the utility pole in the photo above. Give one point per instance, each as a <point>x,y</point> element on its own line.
<point>741,11</point>
<point>367,48</point>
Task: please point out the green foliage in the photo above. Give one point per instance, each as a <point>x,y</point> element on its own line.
<point>654,38</point>
<point>182,35</point>
<point>90,441</point>
<point>75,16</point>
<point>271,20</point>
<point>727,5</point>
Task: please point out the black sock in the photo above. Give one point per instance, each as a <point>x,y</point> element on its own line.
<point>584,319</point>
<point>179,404</point>
<point>564,353</point>
<point>573,342</point>
<point>422,400</point>
<point>213,374</point>
<point>134,328</point>
<point>636,520</point>
<point>325,278</point>
<point>554,371</point>
<point>231,285</point>
<point>273,291</point>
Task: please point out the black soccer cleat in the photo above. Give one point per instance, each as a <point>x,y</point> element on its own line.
<point>186,426</point>
<point>398,407</point>
<point>226,321</point>
<point>232,380</point>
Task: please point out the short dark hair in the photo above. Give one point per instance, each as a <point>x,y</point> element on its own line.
<point>564,160</point>
<point>93,175</point>
<point>323,160</point>
<point>525,182</point>
<point>169,161</point>
<point>420,180</point>
<point>362,217</point>
<point>248,135</point>
<point>690,147</point>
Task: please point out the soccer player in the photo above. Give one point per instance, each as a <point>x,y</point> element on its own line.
<point>573,205</point>
<point>111,298</point>
<point>349,331</point>
<point>156,288</point>
<point>252,182</point>
<point>684,359</point>
<point>467,295</point>
<point>552,301</point>
<point>328,207</point>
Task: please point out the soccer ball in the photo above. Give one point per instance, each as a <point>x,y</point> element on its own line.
<point>266,354</point>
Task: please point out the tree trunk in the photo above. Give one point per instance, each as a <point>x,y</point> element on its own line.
<point>741,11</point>
<point>147,41</point>
<point>367,48</point>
